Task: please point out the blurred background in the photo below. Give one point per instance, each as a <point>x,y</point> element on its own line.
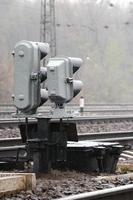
<point>98,31</point>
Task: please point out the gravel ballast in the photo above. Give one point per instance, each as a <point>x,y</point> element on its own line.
<point>59,184</point>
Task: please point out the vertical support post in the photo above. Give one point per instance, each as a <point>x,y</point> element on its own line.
<point>39,146</point>
<point>100,152</point>
<point>117,150</point>
<point>62,143</point>
<point>26,128</point>
<point>42,161</point>
<point>81,104</point>
<point>58,143</point>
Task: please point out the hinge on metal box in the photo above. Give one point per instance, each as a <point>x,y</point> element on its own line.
<point>69,80</point>
<point>34,76</point>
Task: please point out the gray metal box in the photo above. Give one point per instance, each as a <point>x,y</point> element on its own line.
<point>59,89</point>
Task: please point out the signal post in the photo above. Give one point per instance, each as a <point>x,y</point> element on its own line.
<point>47,140</point>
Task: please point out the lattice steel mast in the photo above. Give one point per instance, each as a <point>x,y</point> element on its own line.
<point>47,25</point>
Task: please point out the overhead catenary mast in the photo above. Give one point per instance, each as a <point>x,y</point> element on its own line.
<point>47,25</point>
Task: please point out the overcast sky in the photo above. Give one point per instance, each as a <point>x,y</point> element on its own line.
<point>122,3</point>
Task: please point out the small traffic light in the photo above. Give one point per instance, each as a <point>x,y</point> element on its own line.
<point>28,94</point>
<point>77,84</point>
<point>61,86</point>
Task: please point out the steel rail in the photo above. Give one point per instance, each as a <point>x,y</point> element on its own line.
<point>76,104</point>
<point>73,119</point>
<point>10,108</point>
<point>12,148</point>
<point>16,121</point>
<point>12,151</point>
<point>101,118</point>
<point>102,137</point>
<point>107,136</point>
<point>86,109</point>
<point>5,142</point>
<point>117,193</point>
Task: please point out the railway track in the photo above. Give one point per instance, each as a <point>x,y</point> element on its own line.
<point>89,109</point>
<point>117,193</point>
<point>6,142</point>
<point>11,147</point>
<point>127,155</point>
<point>107,136</point>
<point>99,137</point>
<point>16,121</point>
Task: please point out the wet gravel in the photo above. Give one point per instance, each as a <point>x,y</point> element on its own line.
<point>102,126</point>
<point>61,184</point>
<point>9,132</point>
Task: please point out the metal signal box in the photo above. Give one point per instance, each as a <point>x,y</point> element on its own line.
<point>59,74</point>
<point>61,86</point>
<point>27,56</point>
